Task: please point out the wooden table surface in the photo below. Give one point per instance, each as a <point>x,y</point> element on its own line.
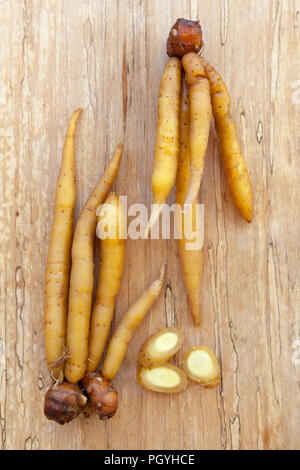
<point>107,56</point>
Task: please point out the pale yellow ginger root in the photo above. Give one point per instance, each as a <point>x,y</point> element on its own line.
<point>167,138</point>
<point>81,281</point>
<point>59,256</point>
<point>111,216</point>
<point>128,325</point>
<point>190,254</point>
<point>200,119</point>
<point>231,155</point>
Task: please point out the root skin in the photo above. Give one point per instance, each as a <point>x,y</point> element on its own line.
<point>103,398</point>
<point>64,402</point>
<point>185,36</point>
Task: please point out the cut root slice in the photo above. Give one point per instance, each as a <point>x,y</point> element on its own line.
<point>160,347</point>
<point>201,365</point>
<point>164,379</point>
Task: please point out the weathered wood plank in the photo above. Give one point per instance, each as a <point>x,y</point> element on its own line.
<point>107,56</point>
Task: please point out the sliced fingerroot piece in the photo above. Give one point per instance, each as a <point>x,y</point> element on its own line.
<point>103,398</point>
<point>233,161</point>
<point>64,402</point>
<point>200,118</point>
<point>131,320</point>
<point>185,36</point>
<point>201,365</point>
<point>161,346</point>
<point>164,378</point>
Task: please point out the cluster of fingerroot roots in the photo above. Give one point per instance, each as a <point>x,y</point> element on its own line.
<point>65,401</point>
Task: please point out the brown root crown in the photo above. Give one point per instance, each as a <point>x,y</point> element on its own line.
<point>64,402</point>
<point>185,36</point>
<point>103,398</point>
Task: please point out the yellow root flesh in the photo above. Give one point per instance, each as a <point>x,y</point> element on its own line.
<point>160,347</point>
<point>164,379</point>
<point>201,365</point>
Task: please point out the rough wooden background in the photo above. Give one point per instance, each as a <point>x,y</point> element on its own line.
<point>107,56</point>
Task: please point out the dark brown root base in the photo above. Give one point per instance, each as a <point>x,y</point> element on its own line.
<point>185,36</point>
<point>103,398</point>
<point>64,402</point>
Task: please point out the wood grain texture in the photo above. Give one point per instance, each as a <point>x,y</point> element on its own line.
<point>107,56</point>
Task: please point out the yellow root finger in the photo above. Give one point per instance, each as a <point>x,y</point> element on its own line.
<point>167,136</point>
<point>200,118</point>
<point>128,325</point>
<point>190,259</point>
<point>59,256</point>
<point>232,158</point>
<point>111,216</point>
<point>81,279</point>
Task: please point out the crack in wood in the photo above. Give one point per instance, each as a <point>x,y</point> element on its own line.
<point>170,310</point>
<point>20,300</point>
<point>259,132</point>
<point>296,14</point>
<point>274,66</point>
<point>91,66</point>
<point>274,321</point>
<point>125,72</point>
<point>223,312</point>
<point>224,21</point>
